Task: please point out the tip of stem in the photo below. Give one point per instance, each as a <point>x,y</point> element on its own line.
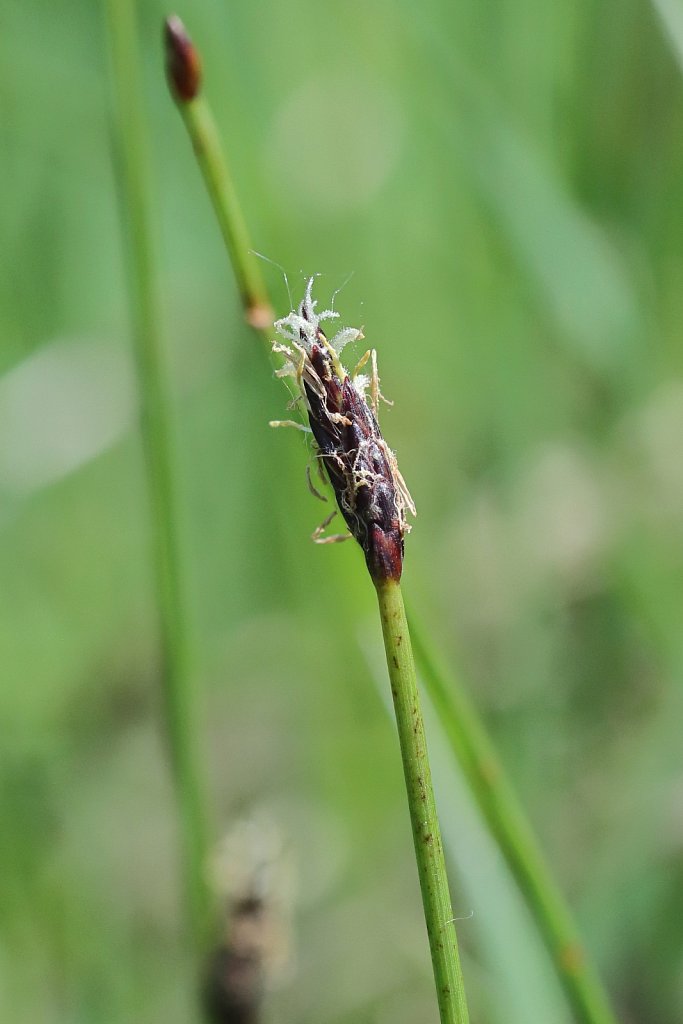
<point>183,66</point>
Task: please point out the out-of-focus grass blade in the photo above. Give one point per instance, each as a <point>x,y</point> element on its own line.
<point>671,16</point>
<point>575,269</point>
<point>525,987</point>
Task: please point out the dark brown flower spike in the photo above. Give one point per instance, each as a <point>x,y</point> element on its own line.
<point>183,66</point>
<point>362,469</point>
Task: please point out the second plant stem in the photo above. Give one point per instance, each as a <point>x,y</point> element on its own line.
<point>202,130</point>
<point>431,865</point>
<point>178,695</point>
<point>507,821</point>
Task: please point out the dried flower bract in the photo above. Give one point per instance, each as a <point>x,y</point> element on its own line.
<point>370,491</point>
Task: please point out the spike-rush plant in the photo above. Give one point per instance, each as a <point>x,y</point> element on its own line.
<point>373,500</point>
<point>370,493</point>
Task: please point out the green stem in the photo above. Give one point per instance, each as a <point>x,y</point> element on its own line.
<point>179,703</point>
<point>508,823</point>
<point>202,130</point>
<point>426,832</point>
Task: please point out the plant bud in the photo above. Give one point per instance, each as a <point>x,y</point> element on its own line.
<point>183,66</point>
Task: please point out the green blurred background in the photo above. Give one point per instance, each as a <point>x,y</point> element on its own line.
<point>506,182</point>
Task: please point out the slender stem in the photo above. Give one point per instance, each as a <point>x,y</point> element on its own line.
<point>508,823</point>
<point>202,130</point>
<point>179,702</point>
<point>184,74</point>
<point>426,832</point>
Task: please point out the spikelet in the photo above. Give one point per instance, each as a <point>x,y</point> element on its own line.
<point>362,469</point>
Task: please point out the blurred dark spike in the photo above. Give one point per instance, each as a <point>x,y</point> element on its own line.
<point>183,65</point>
<point>234,987</point>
